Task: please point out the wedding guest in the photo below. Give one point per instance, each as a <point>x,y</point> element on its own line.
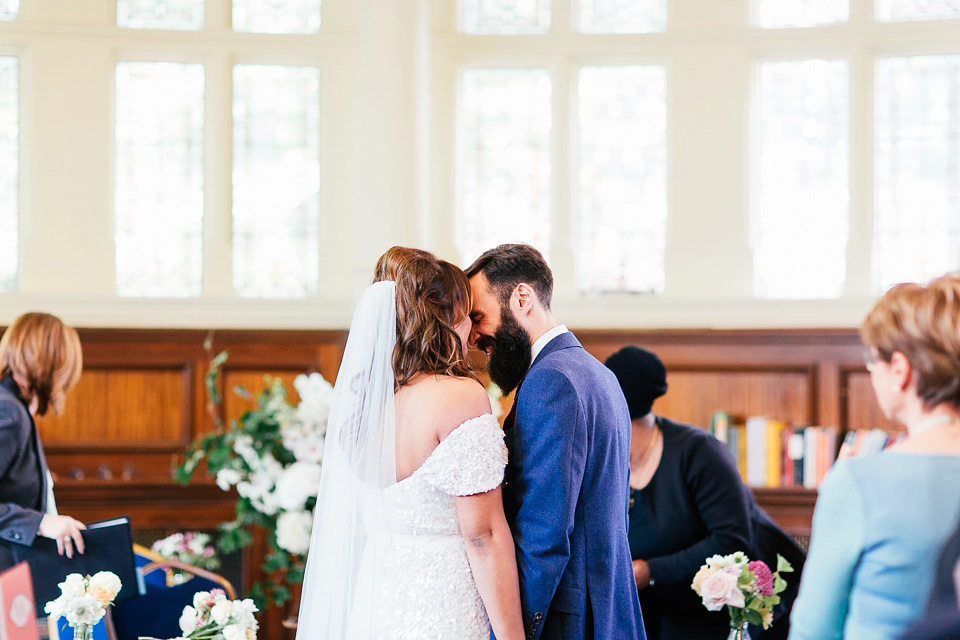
<point>881,520</point>
<point>40,361</point>
<point>687,503</point>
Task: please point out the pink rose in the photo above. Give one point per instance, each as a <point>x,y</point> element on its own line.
<point>721,589</point>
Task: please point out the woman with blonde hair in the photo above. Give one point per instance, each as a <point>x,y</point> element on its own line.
<point>880,521</point>
<point>410,539</point>
<point>40,361</point>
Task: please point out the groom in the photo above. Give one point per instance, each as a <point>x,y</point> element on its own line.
<point>566,483</point>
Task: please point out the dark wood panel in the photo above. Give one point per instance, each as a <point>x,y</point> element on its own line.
<point>861,407</point>
<point>112,408</point>
<point>693,395</point>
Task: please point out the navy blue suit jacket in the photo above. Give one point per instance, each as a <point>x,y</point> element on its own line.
<point>23,473</point>
<point>566,491</point>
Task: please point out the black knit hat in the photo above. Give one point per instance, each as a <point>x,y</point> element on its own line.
<point>642,377</point>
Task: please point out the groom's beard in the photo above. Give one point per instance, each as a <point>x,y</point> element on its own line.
<point>510,356</point>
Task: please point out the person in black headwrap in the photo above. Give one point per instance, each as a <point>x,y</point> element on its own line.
<point>687,503</point>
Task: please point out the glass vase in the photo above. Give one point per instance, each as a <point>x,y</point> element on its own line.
<point>83,632</point>
<point>738,631</point>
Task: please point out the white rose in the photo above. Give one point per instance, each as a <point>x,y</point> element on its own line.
<point>299,481</point>
<point>234,632</point>
<point>721,589</point>
<point>293,531</point>
<point>108,580</point>
<point>188,620</point>
<point>221,612</point>
<point>73,585</point>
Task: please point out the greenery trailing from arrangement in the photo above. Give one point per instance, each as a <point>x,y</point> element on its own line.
<point>271,456</point>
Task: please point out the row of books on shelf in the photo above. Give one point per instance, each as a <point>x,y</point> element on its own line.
<point>771,453</point>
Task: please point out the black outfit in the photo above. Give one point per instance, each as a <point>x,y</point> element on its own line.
<point>23,473</point>
<point>696,506</point>
<point>941,621</point>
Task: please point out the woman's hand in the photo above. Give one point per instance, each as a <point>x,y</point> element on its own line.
<point>641,573</point>
<point>65,530</point>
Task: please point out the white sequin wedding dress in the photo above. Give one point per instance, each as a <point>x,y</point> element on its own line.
<point>423,588</point>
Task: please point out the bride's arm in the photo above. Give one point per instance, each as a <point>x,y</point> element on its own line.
<point>493,560</point>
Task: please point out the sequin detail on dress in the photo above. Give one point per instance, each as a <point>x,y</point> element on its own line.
<point>424,586</point>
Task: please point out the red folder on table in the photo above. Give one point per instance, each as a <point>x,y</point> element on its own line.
<point>18,619</point>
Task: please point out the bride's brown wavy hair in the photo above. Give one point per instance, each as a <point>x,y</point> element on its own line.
<point>433,297</point>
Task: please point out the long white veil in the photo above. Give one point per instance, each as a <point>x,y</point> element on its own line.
<point>358,463</point>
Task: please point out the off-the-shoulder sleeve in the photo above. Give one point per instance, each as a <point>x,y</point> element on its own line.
<point>470,460</point>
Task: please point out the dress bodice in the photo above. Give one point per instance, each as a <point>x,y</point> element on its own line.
<point>468,461</point>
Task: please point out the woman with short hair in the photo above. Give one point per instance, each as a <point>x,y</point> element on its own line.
<point>880,521</point>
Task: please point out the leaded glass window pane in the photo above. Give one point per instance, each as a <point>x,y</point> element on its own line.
<point>9,171</point>
<point>802,200</point>
<point>159,178</point>
<point>623,16</point>
<point>622,178</point>
<point>9,9</point>
<point>917,225</point>
<point>773,14</point>
<point>277,16</point>
<point>276,180</point>
<point>160,14</point>
<point>503,159</point>
<point>506,16</point>
<point>893,10</point>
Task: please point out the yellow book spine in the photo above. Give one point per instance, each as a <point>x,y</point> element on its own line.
<point>775,429</point>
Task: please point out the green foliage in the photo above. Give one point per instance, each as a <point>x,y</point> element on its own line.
<point>260,428</point>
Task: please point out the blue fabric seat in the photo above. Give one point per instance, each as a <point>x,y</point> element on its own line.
<point>157,612</point>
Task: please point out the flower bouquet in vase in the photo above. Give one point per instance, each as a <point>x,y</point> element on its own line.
<point>83,601</point>
<point>748,589</point>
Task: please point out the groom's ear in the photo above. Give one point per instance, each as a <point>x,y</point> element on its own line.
<point>523,299</point>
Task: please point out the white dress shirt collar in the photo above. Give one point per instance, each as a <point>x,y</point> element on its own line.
<point>542,341</point>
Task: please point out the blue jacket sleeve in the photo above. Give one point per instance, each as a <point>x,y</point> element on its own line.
<point>839,531</point>
<point>550,448</point>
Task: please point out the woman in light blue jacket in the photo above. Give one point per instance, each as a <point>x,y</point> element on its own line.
<point>880,521</point>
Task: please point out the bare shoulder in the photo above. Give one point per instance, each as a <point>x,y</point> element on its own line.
<point>456,401</point>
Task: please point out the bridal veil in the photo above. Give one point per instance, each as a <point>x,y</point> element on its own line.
<point>358,464</point>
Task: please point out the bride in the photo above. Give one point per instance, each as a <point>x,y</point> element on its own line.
<point>409,538</point>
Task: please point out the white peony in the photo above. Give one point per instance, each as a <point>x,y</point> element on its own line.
<point>83,609</point>
<point>73,585</point>
<point>296,484</point>
<point>108,580</point>
<point>293,531</point>
<point>188,620</point>
<point>221,612</point>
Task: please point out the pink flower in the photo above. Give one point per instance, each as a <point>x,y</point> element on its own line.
<point>721,589</point>
<point>764,577</point>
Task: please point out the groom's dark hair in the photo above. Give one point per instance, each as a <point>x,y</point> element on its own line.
<point>508,265</point>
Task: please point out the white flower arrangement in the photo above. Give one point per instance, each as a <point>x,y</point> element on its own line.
<point>272,456</point>
<point>213,617</point>
<point>83,600</point>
